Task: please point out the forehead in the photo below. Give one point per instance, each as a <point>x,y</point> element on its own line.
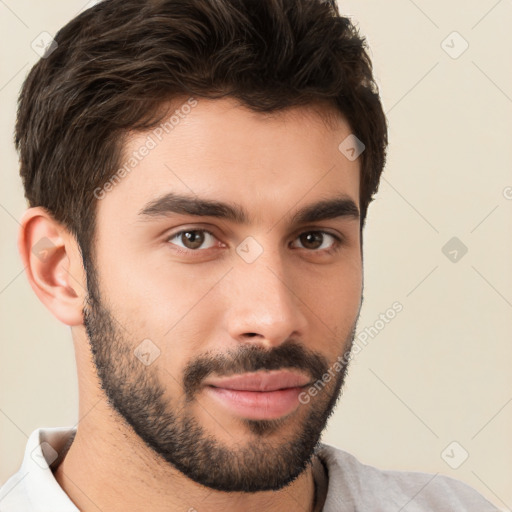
<point>218,149</point>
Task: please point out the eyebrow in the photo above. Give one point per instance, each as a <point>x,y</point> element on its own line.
<point>172,203</point>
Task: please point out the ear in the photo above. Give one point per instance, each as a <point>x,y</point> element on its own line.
<point>53,264</point>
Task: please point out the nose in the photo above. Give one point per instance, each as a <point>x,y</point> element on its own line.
<point>265,304</point>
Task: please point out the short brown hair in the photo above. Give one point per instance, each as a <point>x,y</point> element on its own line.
<point>118,62</point>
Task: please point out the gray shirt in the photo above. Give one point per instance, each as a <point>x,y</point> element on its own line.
<point>349,486</point>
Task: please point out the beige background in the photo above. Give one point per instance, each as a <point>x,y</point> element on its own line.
<point>440,370</point>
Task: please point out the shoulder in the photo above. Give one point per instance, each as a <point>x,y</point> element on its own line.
<point>356,486</point>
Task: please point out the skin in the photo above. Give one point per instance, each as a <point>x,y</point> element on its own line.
<point>205,303</point>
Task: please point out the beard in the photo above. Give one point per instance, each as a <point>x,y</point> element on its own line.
<point>174,434</point>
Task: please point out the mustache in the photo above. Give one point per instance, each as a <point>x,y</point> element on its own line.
<point>251,358</point>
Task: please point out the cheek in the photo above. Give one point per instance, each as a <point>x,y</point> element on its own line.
<point>151,296</point>
<point>336,284</point>
<point>335,302</point>
<point>177,312</point>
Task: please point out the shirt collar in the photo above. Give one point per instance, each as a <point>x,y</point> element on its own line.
<point>46,447</point>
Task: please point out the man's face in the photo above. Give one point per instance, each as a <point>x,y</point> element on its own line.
<point>173,309</point>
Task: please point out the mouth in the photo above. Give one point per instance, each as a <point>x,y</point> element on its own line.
<point>261,381</point>
<point>259,395</point>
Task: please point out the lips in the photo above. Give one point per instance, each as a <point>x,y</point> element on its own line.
<point>259,395</point>
<point>261,381</point>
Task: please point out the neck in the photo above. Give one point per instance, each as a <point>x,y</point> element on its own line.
<point>110,468</point>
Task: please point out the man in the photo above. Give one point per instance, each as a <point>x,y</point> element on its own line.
<point>199,173</point>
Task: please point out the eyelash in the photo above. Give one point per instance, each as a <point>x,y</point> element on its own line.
<point>335,248</point>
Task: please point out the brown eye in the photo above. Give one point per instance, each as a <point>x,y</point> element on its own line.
<point>192,239</point>
<point>312,240</point>
<point>315,241</point>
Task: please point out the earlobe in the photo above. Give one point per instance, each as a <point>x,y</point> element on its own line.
<point>51,259</point>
